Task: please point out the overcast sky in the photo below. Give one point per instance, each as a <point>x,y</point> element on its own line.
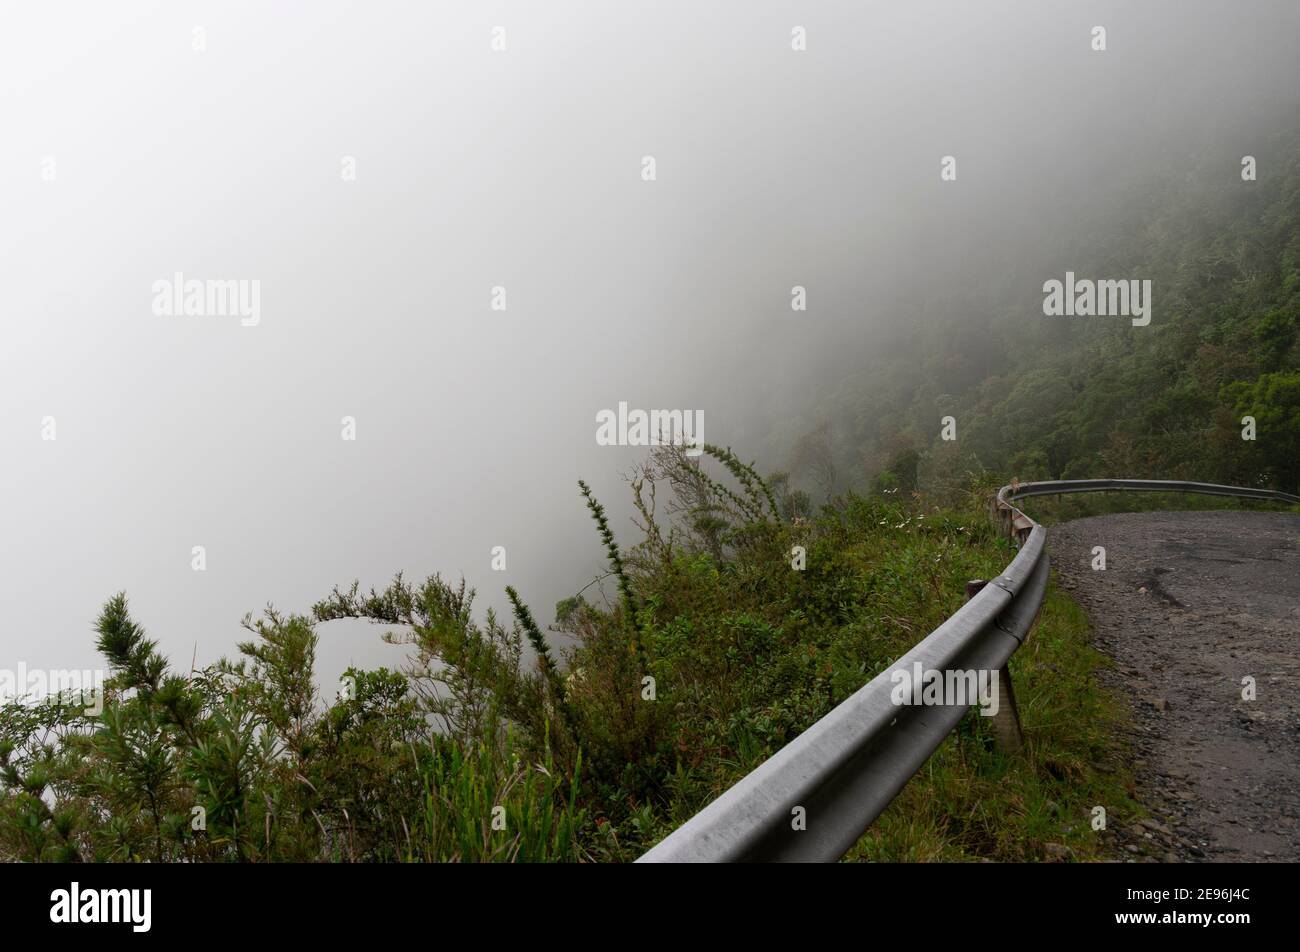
<point>128,155</point>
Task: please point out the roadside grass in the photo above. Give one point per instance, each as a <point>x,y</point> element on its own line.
<point>972,803</point>
<point>883,572</point>
<point>536,808</point>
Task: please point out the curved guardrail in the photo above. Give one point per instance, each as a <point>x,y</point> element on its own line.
<point>844,770</point>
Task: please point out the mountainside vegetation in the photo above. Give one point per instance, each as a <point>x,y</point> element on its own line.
<point>711,653</point>
<point>1042,397</point>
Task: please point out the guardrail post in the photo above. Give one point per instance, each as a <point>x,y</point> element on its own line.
<point>1006,722</point>
<point>1001,516</point>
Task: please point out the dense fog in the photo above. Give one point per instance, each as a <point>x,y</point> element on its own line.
<point>457,245</point>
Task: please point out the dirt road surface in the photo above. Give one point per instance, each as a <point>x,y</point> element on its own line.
<point>1189,604</point>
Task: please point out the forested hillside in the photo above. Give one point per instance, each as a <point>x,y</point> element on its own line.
<point>1074,397</point>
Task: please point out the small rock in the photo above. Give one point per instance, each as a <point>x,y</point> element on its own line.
<point>1057,853</point>
<point>1161,830</point>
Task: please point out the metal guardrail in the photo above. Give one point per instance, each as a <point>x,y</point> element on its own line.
<point>845,769</point>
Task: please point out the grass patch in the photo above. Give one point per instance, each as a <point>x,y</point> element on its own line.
<point>971,803</point>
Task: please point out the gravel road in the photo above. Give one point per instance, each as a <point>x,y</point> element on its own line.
<point>1189,604</point>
